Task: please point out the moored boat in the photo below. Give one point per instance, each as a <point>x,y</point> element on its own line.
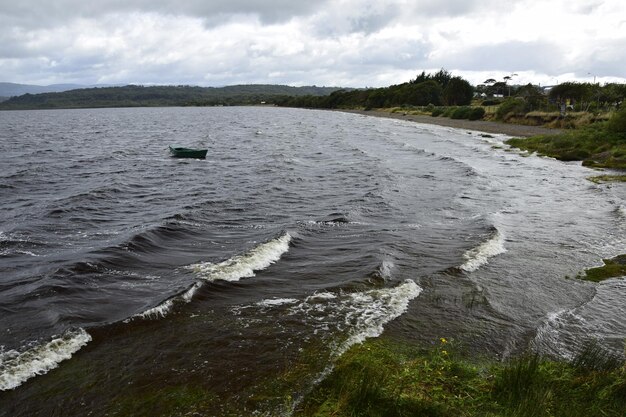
<point>188,152</point>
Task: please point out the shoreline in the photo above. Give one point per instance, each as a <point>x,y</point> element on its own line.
<point>477,125</point>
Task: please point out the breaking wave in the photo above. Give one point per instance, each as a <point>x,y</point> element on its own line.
<point>480,255</point>
<point>243,266</point>
<point>17,367</point>
<point>357,315</point>
<point>165,307</point>
<point>233,269</point>
<point>550,337</point>
<point>564,333</point>
<point>373,309</point>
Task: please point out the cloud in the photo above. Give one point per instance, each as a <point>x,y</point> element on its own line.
<point>607,60</point>
<point>38,13</point>
<point>508,57</point>
<point>340,42</point>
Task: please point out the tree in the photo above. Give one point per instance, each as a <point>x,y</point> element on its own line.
<point>533,97</point>
<point>508,78</point>
<point>578,92</point>
<point>441,77</point>
<point>458,92</point>
<point>426,93</point>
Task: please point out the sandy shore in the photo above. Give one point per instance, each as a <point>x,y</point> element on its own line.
<point>478,125</point>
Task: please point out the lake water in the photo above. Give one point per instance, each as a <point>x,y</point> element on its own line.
<point>126,274</point>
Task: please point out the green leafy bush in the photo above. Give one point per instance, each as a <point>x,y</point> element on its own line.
<point>449,111</point>
<point>461,113</point>
<point>510,106</point>
<point>617,122</point>
<point>477,113</point>
<point>438,111</point>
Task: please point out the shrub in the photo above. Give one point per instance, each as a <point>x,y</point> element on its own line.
<point>617,122</point>
<point>476,113</point>
<point>461,113</point>
<point>448,111</point>
<point>438,111</point>
<point>510,106</point>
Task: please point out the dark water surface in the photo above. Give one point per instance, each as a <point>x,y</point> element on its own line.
<point>127,275</point>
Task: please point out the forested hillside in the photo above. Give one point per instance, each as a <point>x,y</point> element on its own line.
<point>140,96</point>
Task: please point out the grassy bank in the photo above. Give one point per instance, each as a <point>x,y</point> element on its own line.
<point>383,378</point>
<point>600,145</point>
<point>614,267</point>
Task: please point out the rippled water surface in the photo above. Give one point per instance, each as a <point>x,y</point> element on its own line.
<point>126,274</point>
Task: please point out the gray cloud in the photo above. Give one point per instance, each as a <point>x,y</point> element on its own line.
<point>37,13</point>
<point>510,57</point>
<point>607,60</point>
<point>339,42</point>
<point>453,8</point>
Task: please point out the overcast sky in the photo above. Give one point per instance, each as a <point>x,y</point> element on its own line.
<point>349,43</point>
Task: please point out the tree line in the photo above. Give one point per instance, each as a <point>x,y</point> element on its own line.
<point>157,96</point>
<point>439,88</point>
<point>436,89</point>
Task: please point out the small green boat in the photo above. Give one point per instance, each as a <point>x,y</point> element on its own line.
<point>188,152</point>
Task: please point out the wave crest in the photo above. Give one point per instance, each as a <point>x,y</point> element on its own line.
<point>233,269</point>
<point>244,266</point>
<point>480,255</point>
<point>16,367</point>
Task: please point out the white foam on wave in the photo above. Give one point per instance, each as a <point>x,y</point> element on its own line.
<point>17,367</point>
<point>272,302</point>
<point>159,311</point>
<point>600,319</point>
<point>551,336</point>
<point>373,309</point>
<point>359,315</point>
<point>480,255</point>
<point>386,269</point>
<point>233,269</point>
<point>321,296</point>
<point>165,307</point>
<point>244,266</point>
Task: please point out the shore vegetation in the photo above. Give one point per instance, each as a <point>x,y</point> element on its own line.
<point>599,145</point>
<point>612,268</point>
<point>385,378</point>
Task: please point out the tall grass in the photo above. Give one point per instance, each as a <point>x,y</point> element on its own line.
<point>593,357</point>
<point>523,388</point>
<point>380,378</point>
<point>595,145</point>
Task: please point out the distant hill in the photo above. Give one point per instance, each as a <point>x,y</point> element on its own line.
<point>11,89</point>
<point>140,96</point>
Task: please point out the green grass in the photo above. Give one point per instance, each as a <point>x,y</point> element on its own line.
<point>165,401</point>
<point>595,145</point>
<point>598,179</point>
<point>383,378</point>
<point>615,267</point>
